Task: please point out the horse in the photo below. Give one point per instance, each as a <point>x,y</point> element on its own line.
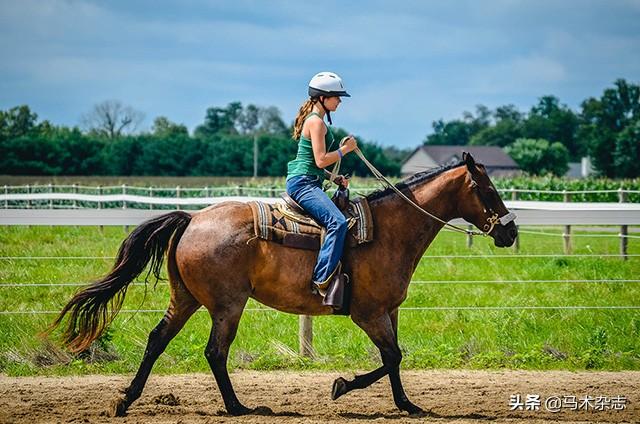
<point>214,260</point>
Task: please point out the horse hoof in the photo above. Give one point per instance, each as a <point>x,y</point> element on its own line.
<point>239,410</point>
<point>262,410</point>
<point>119,407</point>
<point>413,409</point>
<point>339,388</point>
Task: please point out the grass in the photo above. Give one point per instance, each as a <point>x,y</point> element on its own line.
<point>603,339</point>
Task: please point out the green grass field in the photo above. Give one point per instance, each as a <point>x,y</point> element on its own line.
<point>606,339</point>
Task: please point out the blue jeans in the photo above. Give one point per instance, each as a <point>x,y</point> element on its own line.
<point>307,191</point>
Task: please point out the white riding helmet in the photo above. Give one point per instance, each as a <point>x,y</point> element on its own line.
<point>327,84</point>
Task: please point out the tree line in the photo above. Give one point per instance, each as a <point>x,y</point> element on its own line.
<point>222,145</point>
<point>607,129</point>
<point>542,140</point>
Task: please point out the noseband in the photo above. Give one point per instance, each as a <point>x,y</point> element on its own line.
<point>493,219</point>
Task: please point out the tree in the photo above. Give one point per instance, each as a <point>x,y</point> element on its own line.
<point>603,119</point>
<point>551,121</point>
<point>271,122</point>
<point>17,121</point>
<point>112,119</point>
<point>626,156</point>
<point>221,120</point>
<point>458,132</point>
<point>163,127</point>
<point>539,157</point>
<point>507,128</point>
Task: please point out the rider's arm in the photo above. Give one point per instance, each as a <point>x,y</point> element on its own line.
<point>317,131</point>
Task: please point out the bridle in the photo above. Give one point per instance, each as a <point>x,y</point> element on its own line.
<point>491,221</point>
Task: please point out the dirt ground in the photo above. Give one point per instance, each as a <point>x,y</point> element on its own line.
<point>304,397</point>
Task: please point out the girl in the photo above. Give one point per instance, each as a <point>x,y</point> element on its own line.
<point>306,172</point>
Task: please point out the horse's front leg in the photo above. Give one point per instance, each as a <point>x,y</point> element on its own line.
<point>399,396</point>
<point>383,332</point>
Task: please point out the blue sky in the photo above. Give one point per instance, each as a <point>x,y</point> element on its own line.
<point>406,63</point>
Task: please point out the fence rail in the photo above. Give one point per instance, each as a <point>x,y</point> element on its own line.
<point>528,212</point>
<point>565,213</point>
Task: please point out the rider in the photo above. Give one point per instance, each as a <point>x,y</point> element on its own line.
<point>305,173</point>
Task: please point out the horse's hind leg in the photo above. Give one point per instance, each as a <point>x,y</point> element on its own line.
<point>181,307</point>
<point>223,330</point>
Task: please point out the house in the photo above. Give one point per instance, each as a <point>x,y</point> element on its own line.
<point>580,169</point>
<point>495,160</point>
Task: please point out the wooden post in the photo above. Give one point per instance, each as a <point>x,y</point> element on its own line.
<point>469,237</point>
<point>178,196</point>
<point>100,205</point>
<point>624,230</point>
<point>240,191</point>
<point>207,191</point>
<point>50,200</point>
<point>305,335</point>
<point>150,191</point>
<point>28,192</point>
<point>74,190</point>
<point>516,244</point>
<point>124,205</point>
<point>567,228</point>
<point>6,193</point>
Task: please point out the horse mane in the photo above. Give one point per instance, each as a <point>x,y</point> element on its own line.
<point>413,180</point>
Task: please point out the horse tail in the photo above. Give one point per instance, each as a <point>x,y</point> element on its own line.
<point>92,309</point>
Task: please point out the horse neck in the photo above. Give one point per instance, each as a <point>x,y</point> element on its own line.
<point>410,231</point>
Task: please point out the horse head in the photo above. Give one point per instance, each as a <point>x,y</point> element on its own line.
<point>483,207</point>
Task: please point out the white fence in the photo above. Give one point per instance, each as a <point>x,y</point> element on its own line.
<point>528,212</point>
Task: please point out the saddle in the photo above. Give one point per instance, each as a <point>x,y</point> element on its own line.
<point>288,224</point>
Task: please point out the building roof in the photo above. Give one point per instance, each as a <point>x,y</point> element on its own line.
<point>489,156</point>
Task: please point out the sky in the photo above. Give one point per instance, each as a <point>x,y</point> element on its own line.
<point>405,63</point>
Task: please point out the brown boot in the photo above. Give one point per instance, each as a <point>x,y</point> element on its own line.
<point>336,291</point>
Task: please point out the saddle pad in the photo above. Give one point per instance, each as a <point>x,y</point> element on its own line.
<point>278,223</point>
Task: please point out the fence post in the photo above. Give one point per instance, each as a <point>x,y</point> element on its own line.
<point>469,236</point>
<point>50,200</point>
<point>150,196</point>
<point>124,205</point>
<point>207,191</point>
<point>100,205</point>
<point>240,191</point>
<point>28,200</point>
<point>516,244</point>
<point>178,196</point>
<point>6,193</point>
<point>305,335</point>
<point>74,190</point>
<point>624,230</point>
<point>567,228</point>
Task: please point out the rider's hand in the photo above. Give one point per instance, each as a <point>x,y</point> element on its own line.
<point>341,180</point>
<point>349,143</point>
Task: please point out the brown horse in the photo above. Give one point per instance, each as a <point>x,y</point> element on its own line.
<point>213,262</point>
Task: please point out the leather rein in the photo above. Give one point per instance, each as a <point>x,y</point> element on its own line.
<point>492,220</point>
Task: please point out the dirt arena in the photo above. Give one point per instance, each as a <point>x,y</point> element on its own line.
<point>304,397</point>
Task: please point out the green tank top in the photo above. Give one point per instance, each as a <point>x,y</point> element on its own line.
<point>304,163</point>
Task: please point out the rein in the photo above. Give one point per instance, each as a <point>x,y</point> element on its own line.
<point>491,221</point>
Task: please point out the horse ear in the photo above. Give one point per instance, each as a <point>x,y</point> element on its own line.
<point>468,159</point>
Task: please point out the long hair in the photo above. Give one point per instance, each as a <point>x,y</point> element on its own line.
<point>304,111</point>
